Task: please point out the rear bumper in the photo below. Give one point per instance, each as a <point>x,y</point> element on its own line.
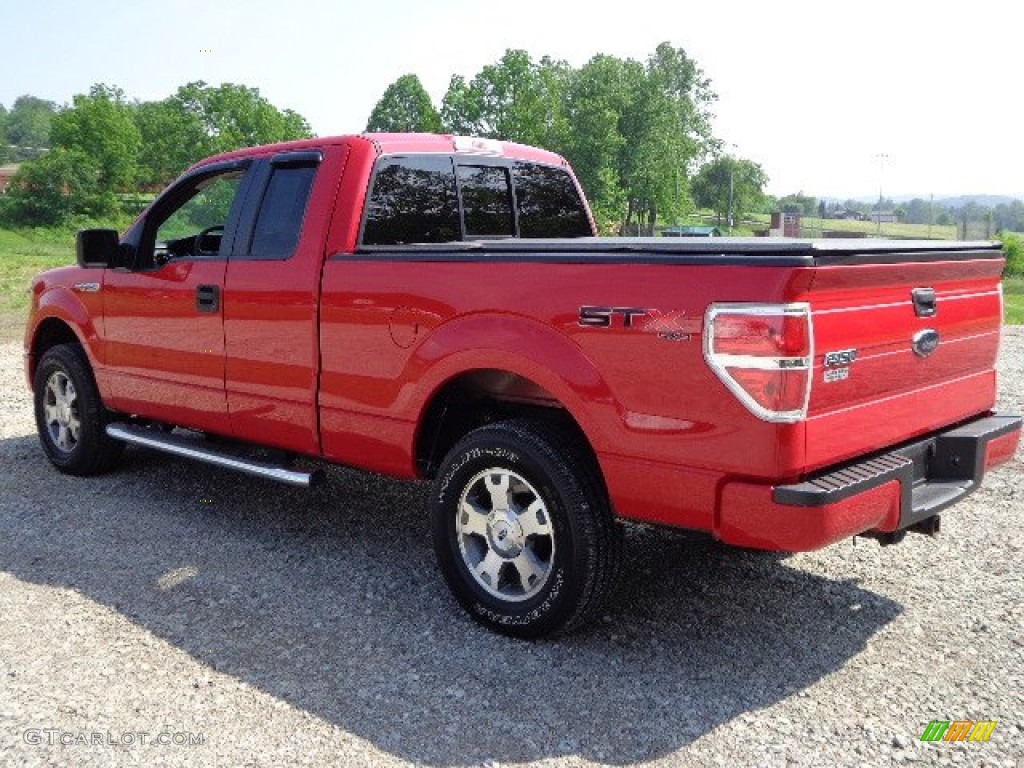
<point>883,493</point>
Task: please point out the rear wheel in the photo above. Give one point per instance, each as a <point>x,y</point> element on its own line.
<point>70,417</point>
<point>523,531</point>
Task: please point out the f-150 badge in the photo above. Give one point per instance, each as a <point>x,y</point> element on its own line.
<point>837,364</point>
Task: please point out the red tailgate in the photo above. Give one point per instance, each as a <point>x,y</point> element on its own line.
<point>900,349</point>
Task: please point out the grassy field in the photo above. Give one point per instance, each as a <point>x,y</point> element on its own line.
<point>1013,293</point>
<point>22,254</point>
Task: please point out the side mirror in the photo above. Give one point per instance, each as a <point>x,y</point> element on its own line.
<point>97,247</point>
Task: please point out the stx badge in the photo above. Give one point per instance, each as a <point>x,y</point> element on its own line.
<point>672,325</point>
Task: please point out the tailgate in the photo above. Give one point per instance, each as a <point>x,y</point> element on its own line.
<point>901,348</point>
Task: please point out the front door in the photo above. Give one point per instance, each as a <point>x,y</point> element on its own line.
<point>163,313</point>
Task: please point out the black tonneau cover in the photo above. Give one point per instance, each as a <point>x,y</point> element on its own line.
<point>775,251</point>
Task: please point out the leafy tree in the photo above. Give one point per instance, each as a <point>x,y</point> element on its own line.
<point>172,140</point>
<point>1010,216</point>
<point>4,150</point>
<point>28,125</point>
<point>232,116</point>
<point>59,184</point>
<point>1013,245</point>
<point>101,126</point>
<point>405,107</point>
<point>798,203</point>
<point>514,99</point>
<point>597,96</point>
<point>729,185</point>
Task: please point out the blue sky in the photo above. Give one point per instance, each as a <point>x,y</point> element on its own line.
<point>813,91</point>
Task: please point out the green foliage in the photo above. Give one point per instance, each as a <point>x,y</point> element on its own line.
<point>1013,246</point>
<point>1013,298</point>
<point>59,184</point>
<point>513,99</point>
<point>100,125</point>
<point>5,152</point>
<point>106,150</point>
<point>172,140</point>
<point>729,186</point>
<point>405,107</point>
<point>631,130</point>
<point>798,203</point>
<point>230,116</point>
<point>28,126</point>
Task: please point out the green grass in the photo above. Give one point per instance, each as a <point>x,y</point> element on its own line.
<point>23,253</point>
<point>1013,296</point>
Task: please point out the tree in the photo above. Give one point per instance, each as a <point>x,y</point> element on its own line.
<point>405,107</point>
<point>800,203</point>
<point>232,116</point>
<point>59,184</point>
<point>514,99</point>
<point>4,150</point>
<point>101,126</point>
<point>28,126</point>
<point>730,187</point>
<point>172,140</point>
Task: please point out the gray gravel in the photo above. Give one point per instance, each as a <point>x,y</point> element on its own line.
<point>288,627</point>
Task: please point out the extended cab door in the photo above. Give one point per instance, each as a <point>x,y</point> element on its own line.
<point>163,312</point>
<point>271,299</point>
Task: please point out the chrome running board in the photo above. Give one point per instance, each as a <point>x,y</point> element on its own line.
<point>191,449</point>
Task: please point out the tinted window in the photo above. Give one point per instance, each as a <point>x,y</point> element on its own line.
<point>486,200</point>
<point>413,200</point>
<point>549,205</point>
<point>279,221</point>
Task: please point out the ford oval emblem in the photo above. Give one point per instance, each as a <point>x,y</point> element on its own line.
<point>925,342</point>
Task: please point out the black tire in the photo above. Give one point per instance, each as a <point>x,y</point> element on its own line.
<point>570,544</point>
<point>85,449</point>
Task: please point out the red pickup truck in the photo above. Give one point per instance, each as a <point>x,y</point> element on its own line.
<point>438,307</point>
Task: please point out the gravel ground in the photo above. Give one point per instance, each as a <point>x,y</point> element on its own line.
<point>283,627</point>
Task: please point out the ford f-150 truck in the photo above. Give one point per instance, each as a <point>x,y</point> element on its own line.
<point>438,307</point>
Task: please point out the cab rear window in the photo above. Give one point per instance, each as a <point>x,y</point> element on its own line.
<point>440,199</point>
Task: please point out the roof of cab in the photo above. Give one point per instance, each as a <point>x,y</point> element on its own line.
<point>402,143</point>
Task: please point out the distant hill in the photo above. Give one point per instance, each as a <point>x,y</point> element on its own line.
<point>953,201</point>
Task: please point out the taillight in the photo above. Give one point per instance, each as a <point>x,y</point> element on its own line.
<point>763,354</point>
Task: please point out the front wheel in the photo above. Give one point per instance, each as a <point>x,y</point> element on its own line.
<point>523,531</point>
<point>70,416</point>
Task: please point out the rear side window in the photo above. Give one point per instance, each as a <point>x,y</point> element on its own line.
<point>549,205</point>
<point>279,221</point>
<point>486,201</point>
<point>413,200</point>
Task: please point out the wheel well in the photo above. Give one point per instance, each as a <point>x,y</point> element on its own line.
<point>50,333</point>
<point>479,397</point>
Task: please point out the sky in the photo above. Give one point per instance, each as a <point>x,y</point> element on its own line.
<point>832,99</point>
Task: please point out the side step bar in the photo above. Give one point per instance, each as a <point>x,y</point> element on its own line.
<point>191,449</point>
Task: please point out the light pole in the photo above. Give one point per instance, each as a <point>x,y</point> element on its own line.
<point>881,157</point>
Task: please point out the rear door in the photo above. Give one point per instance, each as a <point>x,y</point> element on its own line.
<point>901,348</point>
<point>271,299</point>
